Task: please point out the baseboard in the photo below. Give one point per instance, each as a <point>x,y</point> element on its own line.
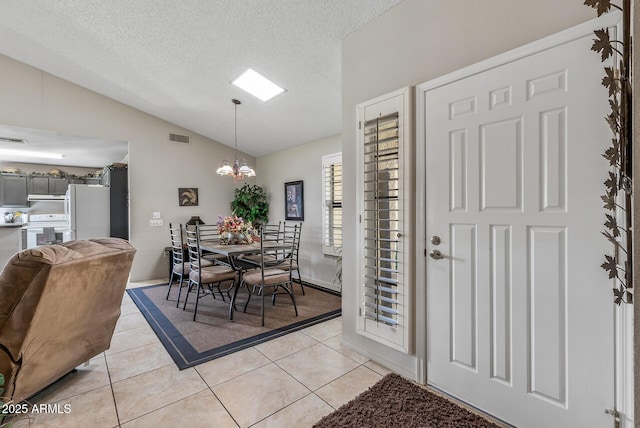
<point>324,285</point>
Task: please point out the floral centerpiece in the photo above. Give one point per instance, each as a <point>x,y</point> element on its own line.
<point>234,230</point>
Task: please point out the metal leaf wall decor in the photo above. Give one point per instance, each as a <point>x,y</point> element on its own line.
<point>618,185</point>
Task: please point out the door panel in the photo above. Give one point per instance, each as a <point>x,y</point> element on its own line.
<point>519,314</point>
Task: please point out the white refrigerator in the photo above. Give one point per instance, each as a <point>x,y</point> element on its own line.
<point>87,209</point>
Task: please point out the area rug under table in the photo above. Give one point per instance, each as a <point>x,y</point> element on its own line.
<point>212,335</point>
<point>396,402</point>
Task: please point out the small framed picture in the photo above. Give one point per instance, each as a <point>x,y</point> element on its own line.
<point>188,196</point>
<point>293,201</point>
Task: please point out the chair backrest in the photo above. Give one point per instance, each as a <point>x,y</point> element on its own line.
<point>291,234</point>
<point>177,244</point>
<point>208,232</point>
<point>280,256</point>
<point>271,232</point>
<point>193,245</point>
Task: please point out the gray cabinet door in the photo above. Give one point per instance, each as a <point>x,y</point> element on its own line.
<point>77,180</point>
<point>47,185</point>
<point>39,185</point>
<point>13,190</point>
<point>58,185</point>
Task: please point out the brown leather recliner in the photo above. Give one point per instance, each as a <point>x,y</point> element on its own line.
<point>58,308</point>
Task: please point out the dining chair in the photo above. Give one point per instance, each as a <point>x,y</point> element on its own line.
<point>268,233</point>
<point>208,232</point>
<point>179,269</point>
<point>271,232</point>
<point>274,273</point>
<point>199,275</point>
<point>291,234</point>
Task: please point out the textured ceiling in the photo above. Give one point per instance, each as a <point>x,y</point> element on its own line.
<point>175,59</point>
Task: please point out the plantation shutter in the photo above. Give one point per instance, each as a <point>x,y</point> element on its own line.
<point>384,206</point>
<point>332,204</point>
<point>381,219</point>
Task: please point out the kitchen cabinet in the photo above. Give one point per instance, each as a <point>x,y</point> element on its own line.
<point>58,185</point>
<point>39,185</point>
<point>47,185</point>
<point>77,180</point>
<point>13,190</point>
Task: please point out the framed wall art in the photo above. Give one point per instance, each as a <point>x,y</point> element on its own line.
<point>188,196</point>
<point>294,200</point>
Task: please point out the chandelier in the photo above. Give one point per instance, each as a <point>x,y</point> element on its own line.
<point>236,170</point>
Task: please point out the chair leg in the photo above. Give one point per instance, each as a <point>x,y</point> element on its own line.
<point>220,291</point>
<point>211,291</point>
<point>195,309</point>
<point>180,289</point>
<point>291,294</point>
<point>299,279</point>
<point>170,284</point>
<point>233,285</point>
<point>232,307</point>
<point>184,306</point>
<point>249,297</point>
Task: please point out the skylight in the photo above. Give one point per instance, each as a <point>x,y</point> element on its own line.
<point>257,85</point>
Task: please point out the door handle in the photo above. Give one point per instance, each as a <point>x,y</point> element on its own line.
<point>436,254</point>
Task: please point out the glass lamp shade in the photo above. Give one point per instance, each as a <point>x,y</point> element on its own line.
<point>246,170</point>
<point>225,169</point>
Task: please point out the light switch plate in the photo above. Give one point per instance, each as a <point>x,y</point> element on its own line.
<point>156,215</point>
<point>155,223</point>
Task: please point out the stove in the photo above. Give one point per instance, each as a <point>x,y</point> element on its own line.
<point>44,229</point>
<point>40,220</point>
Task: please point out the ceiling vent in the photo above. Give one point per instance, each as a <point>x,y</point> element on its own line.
<point>179,138</point>
<point>13,140</point>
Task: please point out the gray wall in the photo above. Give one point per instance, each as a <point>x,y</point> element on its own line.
<point>418,41</point>
<point>32,98</point>
<point>303,162</point>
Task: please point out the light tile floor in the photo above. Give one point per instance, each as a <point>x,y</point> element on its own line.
<point>291,381</point>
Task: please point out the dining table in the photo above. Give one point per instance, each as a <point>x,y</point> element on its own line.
<point>235,253</point>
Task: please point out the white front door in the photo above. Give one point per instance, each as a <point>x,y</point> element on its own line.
<point>519,311</point>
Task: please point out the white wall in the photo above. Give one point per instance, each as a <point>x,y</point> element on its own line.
<point>419,40</point>
<point>303,162</point>
<point>32,98</point>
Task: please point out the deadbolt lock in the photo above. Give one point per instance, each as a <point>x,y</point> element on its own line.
<point>435,240</point>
